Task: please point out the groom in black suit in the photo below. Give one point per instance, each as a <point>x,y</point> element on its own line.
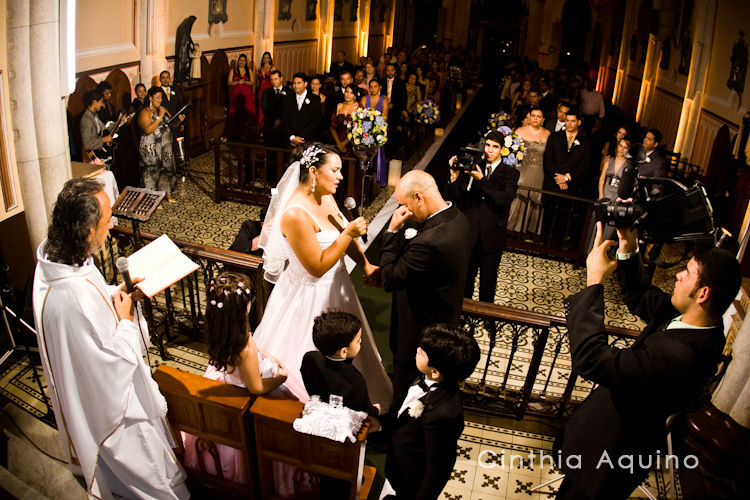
<point>484,196</point>
<point>300,112</point>
<point>567,162</point>
<point>425,268</point>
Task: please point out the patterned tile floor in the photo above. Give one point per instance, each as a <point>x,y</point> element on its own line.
<point>527,282</point>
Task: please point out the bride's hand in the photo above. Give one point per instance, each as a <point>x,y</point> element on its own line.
<point>356,228</point>
<point>372,276</point>
<point>282,374</point>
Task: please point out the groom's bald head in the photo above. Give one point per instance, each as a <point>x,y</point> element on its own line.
<point>418,191</point>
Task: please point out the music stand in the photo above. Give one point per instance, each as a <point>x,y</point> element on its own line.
<point>137,205</point>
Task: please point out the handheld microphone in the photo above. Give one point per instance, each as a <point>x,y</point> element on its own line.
<point>122,265</point>
<point>351,207</point>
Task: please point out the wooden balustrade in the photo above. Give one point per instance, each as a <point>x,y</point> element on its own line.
<point>248,171</point>
<point>212,261</point>
<point>515,327</point>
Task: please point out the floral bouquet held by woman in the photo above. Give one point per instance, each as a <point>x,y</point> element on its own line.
<point>512,146</point>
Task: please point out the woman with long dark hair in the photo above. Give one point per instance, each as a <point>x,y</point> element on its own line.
<point>264,81</point>
<point>155,157</point>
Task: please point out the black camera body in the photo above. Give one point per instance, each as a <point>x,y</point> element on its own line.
<point>680,213</point>
<point>468,158</point>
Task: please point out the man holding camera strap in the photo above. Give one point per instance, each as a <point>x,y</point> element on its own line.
<point>484,195</point>
<point>609,444</point>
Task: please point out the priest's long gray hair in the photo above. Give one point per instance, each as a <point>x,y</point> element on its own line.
<point>76,213</point>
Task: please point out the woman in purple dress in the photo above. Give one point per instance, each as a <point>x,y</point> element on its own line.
<point>381,104</point>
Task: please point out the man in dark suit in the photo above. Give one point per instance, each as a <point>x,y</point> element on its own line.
<point>172,98</point>
<point>484,195</point>
<point>567,162</point>
<point>657,165</point>
<point>271,102</point>
<point>340,65</point>
<point>424,267</point>
<point>558,123</point>
<point>395,89</point>
<point>640,386</point>
<point>430,421</point>
<point>300,112</point>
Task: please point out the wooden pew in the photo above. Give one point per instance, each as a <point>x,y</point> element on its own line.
<point>216,413</point>
<point>276,440</point>
<point>221,413</point>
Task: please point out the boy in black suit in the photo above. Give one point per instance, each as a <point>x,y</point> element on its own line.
<point>431,419</point>
<point>329,370</point>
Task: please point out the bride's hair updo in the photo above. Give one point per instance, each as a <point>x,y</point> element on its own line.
<point>313,156</point>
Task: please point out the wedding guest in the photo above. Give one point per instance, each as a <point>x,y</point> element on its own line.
<point>525,215</point>
<point>421,79</point>
<point>264,83</point>
<point>395,89</point>
<point>592,105</point>
<point>359,80</point>
<point>316,83</point>
<point>610,147</point>
<point>235,359</point>
<point>370,74</point>
<point>657,165</point>
<point>108,112</point>
<point>241,100</point>
<point>558,123</point>
<point>272,103</point>
<point>342,117</point>
<point>340,65</point>
<point>430,420</point>
<point>301,112</point>
<point>413,93</point>
<point>380,104</point>
<point>141,98</point>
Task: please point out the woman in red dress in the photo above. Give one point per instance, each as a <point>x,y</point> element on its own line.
<point>241,100</point>
<point>264,82</point>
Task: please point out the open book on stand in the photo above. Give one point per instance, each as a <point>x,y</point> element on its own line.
<point>161,264</point>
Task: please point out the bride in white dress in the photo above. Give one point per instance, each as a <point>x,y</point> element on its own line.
<point>304,239</point>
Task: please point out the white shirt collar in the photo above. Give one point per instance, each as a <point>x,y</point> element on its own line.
<point>450,204</point>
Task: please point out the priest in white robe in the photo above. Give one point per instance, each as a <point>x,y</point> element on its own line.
<point>109,412</point>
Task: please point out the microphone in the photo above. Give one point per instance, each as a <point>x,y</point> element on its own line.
<point>351,207</point>
<point>122,265</point>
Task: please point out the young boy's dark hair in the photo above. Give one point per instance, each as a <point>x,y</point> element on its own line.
<point>452,351</point>
<point>334,330</point>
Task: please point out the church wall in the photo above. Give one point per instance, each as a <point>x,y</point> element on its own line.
<point>106,34</point>
<point>296,38</point>
<point>238,31</point>
<point>345,30</point>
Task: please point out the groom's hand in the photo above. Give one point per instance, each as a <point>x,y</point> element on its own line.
<point>399,217</point>
<point>372,276</point>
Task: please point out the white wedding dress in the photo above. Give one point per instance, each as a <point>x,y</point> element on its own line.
<point>298,297</point>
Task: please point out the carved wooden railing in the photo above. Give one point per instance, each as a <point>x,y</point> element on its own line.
<point>511,329</point>
<point>247,172</point>
<point>189,293</point>
<point>553,224</point>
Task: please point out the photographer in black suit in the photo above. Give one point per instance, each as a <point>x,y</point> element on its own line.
<point>639,386</point>
<point>300,112</point>
<point>484,195</point>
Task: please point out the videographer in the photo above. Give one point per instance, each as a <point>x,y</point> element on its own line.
<point>483,190</point>
<point>610,442</point>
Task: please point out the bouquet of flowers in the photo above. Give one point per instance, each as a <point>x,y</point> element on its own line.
<point>427,112</point>
<point>512,147</point>
<point>497,120</point>
<point>367,128</point>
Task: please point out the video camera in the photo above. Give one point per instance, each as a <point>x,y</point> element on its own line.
<point>468,158</point>
<point>680,213</point>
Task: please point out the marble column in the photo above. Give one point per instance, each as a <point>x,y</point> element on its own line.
<point>48,105</point>
<point>648,82</point>
<point>22,115</point>
<point>631,10</point>
<point>265,16</point>
<point>153,23</point>
<point>703,27</point>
